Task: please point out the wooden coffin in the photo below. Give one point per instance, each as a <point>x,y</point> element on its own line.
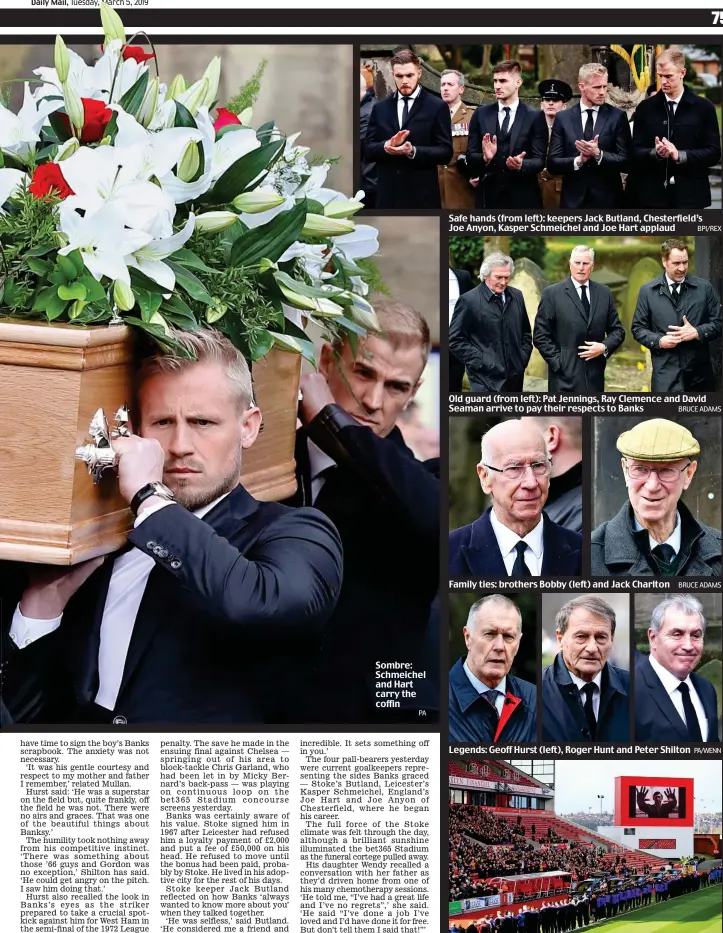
<point>53,377</point>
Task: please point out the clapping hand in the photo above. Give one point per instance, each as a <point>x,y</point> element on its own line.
<point>665,149</point>
<point>515,162</point>
<point>397,145</point>
<point>489,147</point>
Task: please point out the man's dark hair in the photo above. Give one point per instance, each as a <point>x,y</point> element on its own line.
<point>507,66</point>
<point>404,57</point>
<point>670,245</point>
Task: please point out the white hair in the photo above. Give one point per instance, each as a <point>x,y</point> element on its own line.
<point>493,261</point>
<point>498,600</point>
<point>688,605</point>
<point>581,248</point>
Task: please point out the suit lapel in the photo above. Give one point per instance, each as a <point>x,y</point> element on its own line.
<point>490,122</point>
<point>482,556</point>
<point>576,119</point>
<point>88,636</point>
<point>660,697</point>
<point>226,518</point>
<point>415,109</point>
<point>572,294</point>
<point>603,116</point>
<point>558,558</point>
<point>517,125</point>
<point>594,294</point>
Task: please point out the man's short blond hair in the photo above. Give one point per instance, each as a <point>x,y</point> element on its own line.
<point>402,325</point>
<point>674,56</point>
<point>589,70</point>
<point>205,345</point>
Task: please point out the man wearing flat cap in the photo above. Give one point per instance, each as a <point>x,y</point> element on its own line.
<point>654,533</point>
<point>554,95</point>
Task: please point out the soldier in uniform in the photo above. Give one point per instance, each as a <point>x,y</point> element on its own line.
<point>455,187</point>
<point>554,95</point>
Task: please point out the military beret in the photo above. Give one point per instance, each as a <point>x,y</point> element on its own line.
<point>553,89</point>
<point>658,439</point>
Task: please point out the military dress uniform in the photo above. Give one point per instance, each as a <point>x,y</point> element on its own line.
<point>551,185</point>
<point>454,187</point>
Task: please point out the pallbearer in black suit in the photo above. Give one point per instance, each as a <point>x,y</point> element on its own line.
<point>590,146</point>
<point>490,331</point>
<point>507,144</point>
<point>676,140</point>
<point>672,703</point>
<point>514,538</point>
<point>577,328</point>
<point>408,136</point>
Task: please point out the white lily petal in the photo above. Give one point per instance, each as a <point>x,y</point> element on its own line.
<point>10,180</point>
<point>155,269</point>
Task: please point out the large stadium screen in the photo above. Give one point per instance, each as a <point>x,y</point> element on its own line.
<point>653,801</point>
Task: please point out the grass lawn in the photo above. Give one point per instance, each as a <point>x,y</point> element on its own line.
<point>692,913</point>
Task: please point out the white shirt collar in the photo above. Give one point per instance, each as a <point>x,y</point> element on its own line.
<point>481,687</point>
<point>675,100</point>
<point>671,283</point>
<point>674,540</point>
<point>578,286</point>
<point>669,681</point>
<point>580,683</point>
<point>594,107</point>
<point>513,107</point>
<point>318,460</point>
<point>413,96</point>
<point>507,539</point>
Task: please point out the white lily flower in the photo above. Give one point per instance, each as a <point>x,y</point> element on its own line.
<point>258,201</point>
<point>157,152</point>
<point>259,219</point>
<point>315,181</point>
<point>10,180</point>
<point>20,132</point>
<point>103,240</point>
<point>182,191</point>
<point>359,286</point>
<point>148,259</point>
<point>313,258</point>
<point>360,244</point>
<point>213,75</point>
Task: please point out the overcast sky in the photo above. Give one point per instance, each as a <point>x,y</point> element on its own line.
<point>577,783</point>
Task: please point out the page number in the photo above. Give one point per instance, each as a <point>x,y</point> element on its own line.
<point>717,17</point>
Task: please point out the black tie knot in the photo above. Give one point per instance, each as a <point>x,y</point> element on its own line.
<point>665,553</point>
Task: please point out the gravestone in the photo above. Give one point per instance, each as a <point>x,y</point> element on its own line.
<point>531,280</point>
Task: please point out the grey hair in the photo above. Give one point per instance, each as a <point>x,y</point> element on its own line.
<point>581,248</point>
<point>499,600</point>
<point>687,604</point>
<point>492,261</point>
<point>484,442</point>
<point>205,345</point>
<point>453,71</point>
<point>595,605</point>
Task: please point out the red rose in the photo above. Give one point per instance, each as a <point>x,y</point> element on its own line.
<point>136,52</point>
<point>95,119</point>
<point>225,118</point>
<point>48,179</point>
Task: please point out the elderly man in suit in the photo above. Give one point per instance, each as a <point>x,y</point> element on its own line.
<point>507,144</point>
<point>577,328</point>
<point>584,697</point>
<point>486,702</point>
<point>676,141</point>
<point>408,136</point>
<point>654,533</point>
<point>216,591</point>
<point>514,538</point>
<point>455,184</point>
<point>590,146</point>
<point>677,315</point>
<point>490,331</point>
<point>672,702</point>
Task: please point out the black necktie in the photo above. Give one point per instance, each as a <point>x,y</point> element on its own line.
<point>589,691</point>
<point>520,568</point>
<point>691,719</point>
<point>671,118</point>
<point>665,553</point>
<point>589,131</point>
<point>405,109</point>
<point>491,696</point>
<point>675,294</point>
<point>505,128</point>
<point>585,300</point>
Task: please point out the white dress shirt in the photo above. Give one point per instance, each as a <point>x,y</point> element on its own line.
<point>670,283</point>
<point>483,688</point>
<point>453,293</point>
<point>578,288</point>
<point>580,683</point>
<point>670,684</point>
<point>674,540</point>
<point>318,463</point>
<point>125,592</point>
<point>501,113</point>
<point>595,110</point>
<point>507,540</point>
<point>411,101</point>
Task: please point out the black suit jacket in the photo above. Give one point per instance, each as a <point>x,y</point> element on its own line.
<point>403,182</point>
<point>474,552</point>
<point>595,185</point>
<point>456,367</point>
<point>562,325</point>
<point>563,717</point>
<point>494,343</point>
<point>694,132</point>
<point>499,186</point>
<point>228,611</point>
<point>385,504</point>
<point>656,718</point>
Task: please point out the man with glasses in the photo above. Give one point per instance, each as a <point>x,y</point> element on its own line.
<point>676,317</point>
<point>514,538</point>
<point>672,703</point>
<point>654,533</point>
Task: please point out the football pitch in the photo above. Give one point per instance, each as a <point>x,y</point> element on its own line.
<point>692,913</point>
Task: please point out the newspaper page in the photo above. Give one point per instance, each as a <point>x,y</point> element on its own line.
<point>360,390</point>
